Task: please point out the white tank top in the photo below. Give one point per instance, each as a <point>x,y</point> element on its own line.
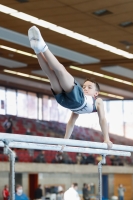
<point>87,107</point>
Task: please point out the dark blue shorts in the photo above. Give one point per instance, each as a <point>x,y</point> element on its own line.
<point>71,100</point>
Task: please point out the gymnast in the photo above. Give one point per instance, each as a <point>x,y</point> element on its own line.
<point>66,90</point>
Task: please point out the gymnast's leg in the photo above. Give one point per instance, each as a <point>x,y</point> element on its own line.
<point>49,73</point>
<point>65,80</point>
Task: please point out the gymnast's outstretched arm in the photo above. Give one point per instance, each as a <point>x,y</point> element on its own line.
<point>70,126</point>
<point>103,122</point>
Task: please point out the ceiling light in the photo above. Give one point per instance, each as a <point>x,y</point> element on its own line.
<point>101,75</point>
<point>65,31</point>
<point>7,48</point>
<point>26,75</point>
<point>24,16</point>
<point>111,95</point>
<point>18,51</point>
<point>21,74</point>
<point>44,24</point>
<point>7,10</point>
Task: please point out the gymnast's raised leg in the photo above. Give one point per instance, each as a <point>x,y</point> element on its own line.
<point>49,62</point>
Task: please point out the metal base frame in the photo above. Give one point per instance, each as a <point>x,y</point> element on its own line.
<point>44,143</point>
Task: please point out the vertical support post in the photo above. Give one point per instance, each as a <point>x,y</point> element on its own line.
<point>103,161</point>
<point>9,152</point>
<point>12,175</point>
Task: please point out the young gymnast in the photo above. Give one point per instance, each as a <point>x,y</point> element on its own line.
<point>66,90</point>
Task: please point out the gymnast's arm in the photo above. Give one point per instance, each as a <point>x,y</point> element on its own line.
<point>70,126</point>
<point>103,122</point>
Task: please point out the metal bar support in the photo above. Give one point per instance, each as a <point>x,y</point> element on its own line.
<point>103,161</point>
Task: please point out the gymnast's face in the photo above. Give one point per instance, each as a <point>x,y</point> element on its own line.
<point>89,88</point>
